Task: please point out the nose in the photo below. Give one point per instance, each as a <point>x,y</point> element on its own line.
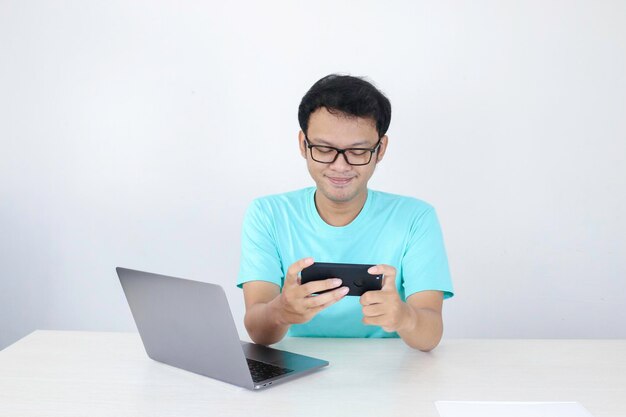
<point>341,163</point>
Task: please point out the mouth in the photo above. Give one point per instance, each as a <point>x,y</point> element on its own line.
<point>340,181</point>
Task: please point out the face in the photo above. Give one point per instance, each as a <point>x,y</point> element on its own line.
<point>341,182</point>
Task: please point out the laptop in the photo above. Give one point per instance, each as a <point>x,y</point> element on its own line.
<point>188,324</point>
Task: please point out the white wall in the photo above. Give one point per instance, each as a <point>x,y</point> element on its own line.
<point>136,133</point>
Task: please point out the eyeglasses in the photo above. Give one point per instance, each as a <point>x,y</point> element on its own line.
<point>329,154</point>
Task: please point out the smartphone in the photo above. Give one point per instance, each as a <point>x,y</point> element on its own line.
<point>354,276</point>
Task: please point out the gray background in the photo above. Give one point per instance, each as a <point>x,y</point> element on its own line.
<point>136,133</point>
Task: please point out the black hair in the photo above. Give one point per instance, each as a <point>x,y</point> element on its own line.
<point>348,95</point>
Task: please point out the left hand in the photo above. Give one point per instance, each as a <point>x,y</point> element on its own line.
<point>385,308</point>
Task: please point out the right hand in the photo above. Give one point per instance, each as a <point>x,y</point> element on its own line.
<point>296,303</point>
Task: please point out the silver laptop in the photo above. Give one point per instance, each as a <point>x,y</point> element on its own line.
<point>188,324</point>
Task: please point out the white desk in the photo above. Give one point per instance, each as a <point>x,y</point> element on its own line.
<point>53,373</point>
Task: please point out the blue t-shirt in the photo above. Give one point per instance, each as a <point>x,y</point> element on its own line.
<point>399,231</point>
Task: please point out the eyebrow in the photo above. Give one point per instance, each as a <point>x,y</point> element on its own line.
<point>354,145</point>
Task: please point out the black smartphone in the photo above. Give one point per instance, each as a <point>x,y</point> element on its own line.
<point>354,276</point>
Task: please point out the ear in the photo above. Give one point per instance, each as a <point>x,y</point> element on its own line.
<point>381,150</point>
<point>302,144</point>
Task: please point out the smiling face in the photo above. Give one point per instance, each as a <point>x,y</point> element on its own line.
<point>339,182</point>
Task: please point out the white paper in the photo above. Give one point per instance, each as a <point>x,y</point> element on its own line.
<point>510,409</point>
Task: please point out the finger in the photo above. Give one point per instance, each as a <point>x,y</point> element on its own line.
<point>389,275</point>
<point>323,306</point>
<point>375,321</point>
<point>329,297</point>
<point>319,286</point>
<point>389,283</point>
<point>372,297</point>
<point>314,310</point>
<point>373,310</point>
<point>295,268</point>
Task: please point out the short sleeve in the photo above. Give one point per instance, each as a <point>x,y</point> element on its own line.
<point>425,263</point>
<point>260,260</point>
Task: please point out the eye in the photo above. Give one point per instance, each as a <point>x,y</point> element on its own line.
<point>358,152</point>
<point>324,150</point>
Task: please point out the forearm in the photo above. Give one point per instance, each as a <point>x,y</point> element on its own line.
<point>263,323</point>
<point>423,328</point>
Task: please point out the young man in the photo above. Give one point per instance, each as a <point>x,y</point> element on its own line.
<point>343,120</point>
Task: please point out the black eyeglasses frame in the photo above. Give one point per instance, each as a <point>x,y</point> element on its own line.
<point>341,151</point>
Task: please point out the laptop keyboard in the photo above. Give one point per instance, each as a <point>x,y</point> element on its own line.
<point>261,371</point>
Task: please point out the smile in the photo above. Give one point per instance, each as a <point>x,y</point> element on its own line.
<point>339,181</point>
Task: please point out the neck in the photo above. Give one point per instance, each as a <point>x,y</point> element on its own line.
<point>339,213</point>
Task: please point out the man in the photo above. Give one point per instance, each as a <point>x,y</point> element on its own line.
<point>343,120</point>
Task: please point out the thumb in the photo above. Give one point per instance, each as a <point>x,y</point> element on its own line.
<point>389,276</point>
<point>389,282</point>
<point>295,269</point>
